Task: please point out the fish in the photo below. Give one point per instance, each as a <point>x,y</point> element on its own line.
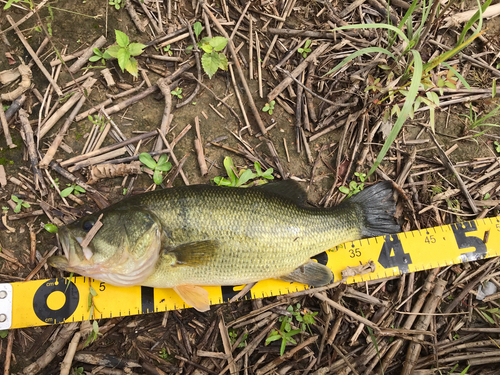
<point>202,235</point>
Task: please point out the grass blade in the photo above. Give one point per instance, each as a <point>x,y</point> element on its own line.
<point>359,53</point>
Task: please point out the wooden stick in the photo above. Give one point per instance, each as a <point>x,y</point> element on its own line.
<point>250,49</point>
<point>5,127</point>
<point>84,115</point>
<point>34,56</point>
<point>98,159</point>
<point>59,113</point>
<point>30,144</point>
<point>134,16</point>
<point>176,162</point>
<point>198,145</point>
<point>103,150</point>
<point>27,16</point>
<point>70,354</point>
<point>57,61</point>
<point>49,155</point>
<point>8,353</point>
<point>295,73</point>
<point>164,85</point>
<point>234,56</point>
<point>259,64</point>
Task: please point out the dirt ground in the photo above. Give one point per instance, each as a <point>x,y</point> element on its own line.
<point>144,341</point>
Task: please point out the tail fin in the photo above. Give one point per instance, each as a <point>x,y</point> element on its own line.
<point>377,208</point>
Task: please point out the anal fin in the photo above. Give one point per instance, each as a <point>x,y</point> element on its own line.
<point>311,273</point>
<point>195,296</point>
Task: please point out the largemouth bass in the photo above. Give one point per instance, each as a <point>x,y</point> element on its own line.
<point>192,236</point>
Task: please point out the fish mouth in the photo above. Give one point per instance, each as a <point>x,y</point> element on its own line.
<point>62,262</point>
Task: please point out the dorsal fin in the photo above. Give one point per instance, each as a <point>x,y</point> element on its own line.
<point>288,189</point>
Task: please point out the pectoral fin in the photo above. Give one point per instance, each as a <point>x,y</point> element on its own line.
<point>195,296</point>
<point>311,273</point>
<point>192,253</point>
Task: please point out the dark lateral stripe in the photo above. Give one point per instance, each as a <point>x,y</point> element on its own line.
<point>147,299</point>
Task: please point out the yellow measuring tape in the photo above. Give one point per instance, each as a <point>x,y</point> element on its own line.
<point>44,302</point>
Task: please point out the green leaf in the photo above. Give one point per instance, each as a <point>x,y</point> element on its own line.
<point>92,291</point>
<point>197,29</point>
<point>14,198</point>
<point>459,76</point>
<point>7,6</point>
<point>97,52</point>
<point>5,332</point>
<point>51,228</point>
<point>25,205</point>
<point>207,48</point>
<point>121,38</point>
<point>308,43</point>
<point>17,209</point>
<point>132,67</point>
<point>210,63</point>
<point>475,17</point>
<point>362,51</point>
<point>157,177</point>
<point>165,167</point>
<point>344,190</point>
<point>123,58</point>
<point>94,58</point>
<point>112,51</point>
<point>273,337</point>
<point>136,49</point>
<point>80,189</point>
<point>67,191</point>
<point>228,164</point>
<point>258,168</point>
<point>245,176</point>
<point>223,61</point>
<point>218,42</point>
<point>162,160</point>
<point>410,99</point>
<point>147,160</point>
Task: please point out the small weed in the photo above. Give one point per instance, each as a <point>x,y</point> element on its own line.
<point>233,336</point>
<point>4,333</point>
<point>98,55</point>
<point>167,50</point>
<point>117,3</point>
<point>124,50</point>
<point>304,51</point>
<point>486,196</point>
<point>304,320</point>
<point>56,182</point>
<point>125,191</point>
<point>354,187</point>
<point>474,120</point>
<point>19,203</point>
<point>164,355</point>
<point>245,175</point>
<point>177,92</point>
<point>211,60</point>
<point>78,371</point>
<point>10,2</point>
<point>497,146</point>
<point>99,121</point>
<point>157,167</point>
<point>72,188</point>
<point>269,107</point>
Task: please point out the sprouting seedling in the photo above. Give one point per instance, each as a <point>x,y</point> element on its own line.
<point>240,179</point>
<point>233,337</point>
<point>497,146</point>
<point>98,55</point>
<point>99,121</point>
<point>157,167</point>
<point>51,228</point>
<point>354,187</point>
<point>304,51</point>
<point>124,50</point>
<point>72,189</point>
<point>116,3</point>
<point>19,203</point>
<point>284,334</point>
<point>269,107</point>
<point>167,50</point>
<point>305,320</point>
<point>212,60</point>
<point>177,92</point>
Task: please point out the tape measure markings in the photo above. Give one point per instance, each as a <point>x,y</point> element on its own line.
<point>393,255</point>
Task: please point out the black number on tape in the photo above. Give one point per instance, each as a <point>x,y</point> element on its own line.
<point>354,253</point>
<point>393,254</point>
<point>464,241</point>
<point>228,292</point>
<point>42,309</point>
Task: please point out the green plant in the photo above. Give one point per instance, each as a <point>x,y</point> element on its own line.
<point>407,74</point>
<point>305,318</point>
<point>177,92</point>
<point>486,196</point>
<point>116,3</point>
<point>125,191</point>
<point>354,187</point>
<point>56,182</point>
<point>124,50</point>
<point>167,50</point>
<point>72,188</point>
<point>51,228</point>
<point>497,146</point>
<point>4,333</point>
<point>19,203</point>
<point>269,107</point>
<point>474,120</point>
<point>98,55</point>
<point>284,334</point>
<point>211,60</point>
<point>78,371</point>
<point>9,3</point>
<point>99,121</point>
<point>157,167</point>
<point>233,336</point>
<point>304,51</point>
<point>245,175</point>
<point>164,355</point>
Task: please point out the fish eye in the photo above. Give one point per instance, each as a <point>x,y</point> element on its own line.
<point>87,225</point>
